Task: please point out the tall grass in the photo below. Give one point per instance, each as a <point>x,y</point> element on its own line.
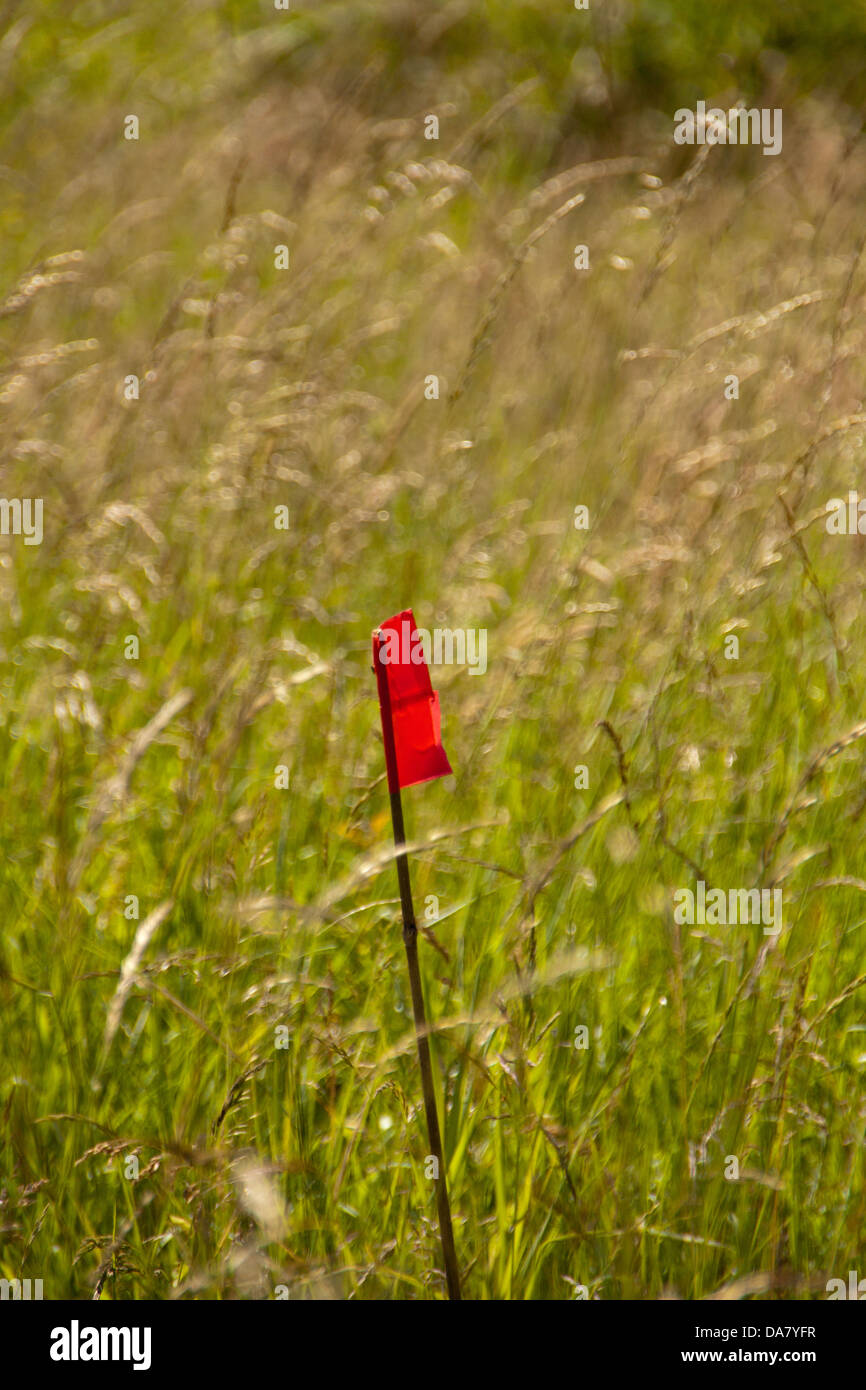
<point>247,1037</point>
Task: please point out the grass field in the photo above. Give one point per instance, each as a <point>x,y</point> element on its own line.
<point>208,1076</point>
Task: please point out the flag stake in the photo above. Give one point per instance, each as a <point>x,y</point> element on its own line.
<point>410,941</point>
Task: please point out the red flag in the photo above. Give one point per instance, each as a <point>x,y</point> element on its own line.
<point>411,721</point>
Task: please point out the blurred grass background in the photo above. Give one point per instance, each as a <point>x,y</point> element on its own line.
<point>294,1159</point>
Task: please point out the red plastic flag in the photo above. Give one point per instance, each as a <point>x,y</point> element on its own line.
<point>411,721</point>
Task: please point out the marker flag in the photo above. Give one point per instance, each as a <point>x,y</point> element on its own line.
<point>408,704</point>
